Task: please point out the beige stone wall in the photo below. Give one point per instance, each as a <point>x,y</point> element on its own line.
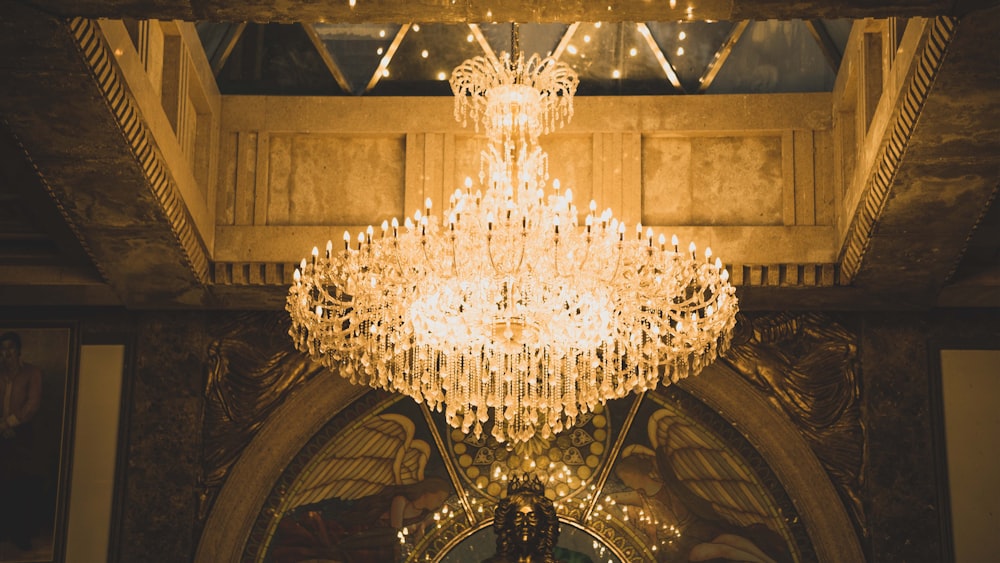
<point>732,172</point>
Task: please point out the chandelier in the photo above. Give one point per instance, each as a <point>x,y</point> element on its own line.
<point>513,302</point>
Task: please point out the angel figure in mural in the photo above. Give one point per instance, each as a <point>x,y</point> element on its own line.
<point>362,489</point>
<point>692,499</point>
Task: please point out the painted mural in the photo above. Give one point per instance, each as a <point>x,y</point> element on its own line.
<point>654,478</point>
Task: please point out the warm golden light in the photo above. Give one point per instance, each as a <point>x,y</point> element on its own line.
<point>507,307</point>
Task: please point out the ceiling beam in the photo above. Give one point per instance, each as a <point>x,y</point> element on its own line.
<point>479,11</point>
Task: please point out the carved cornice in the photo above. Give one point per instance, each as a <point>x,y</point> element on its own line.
<point>136,132</point>
<point>66,217</point>
<point>742,275</point>
<point>900,128</point>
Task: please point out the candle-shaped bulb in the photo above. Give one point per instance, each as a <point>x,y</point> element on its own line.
<point>674,241</point>
<point>708,253</point>
<point>385,227</point>
<point>718,263</point>
<point>593,206</point>
<point>297,276</point>
<point>302,265</point>
<point>427,205</point>
<point>555,184</point>
<point>569,194</point>
<point>662,240</point>
<point>468,183</point>
<point>692,248</point>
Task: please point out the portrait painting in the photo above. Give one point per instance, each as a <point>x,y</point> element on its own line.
<point>37,384</point>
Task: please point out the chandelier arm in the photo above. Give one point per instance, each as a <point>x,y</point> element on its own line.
<point>520,255</point>
<point>555,255</point>
<point>395,256</point>
<point>454,256</point>
<point>586,255</point>
<point>427,258</point>
<point>489,251</point>
<point>618,264</point>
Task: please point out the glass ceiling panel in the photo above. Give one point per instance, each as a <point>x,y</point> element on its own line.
<point>611,58</point>
<point>839,31</point>
<point>422,64</point>
<point>356,49</point>
<point>276,59</point>
<point>615,58</point>
<point>774,56</point>
<point>690,47</point>
<point>541,38</point>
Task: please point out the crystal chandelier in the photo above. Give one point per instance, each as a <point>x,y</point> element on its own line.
<point>510,304</point>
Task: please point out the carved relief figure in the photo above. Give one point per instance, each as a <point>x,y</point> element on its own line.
<point>363,489</point>
<point>807,365</point>
<point>526,524</point>
<point>692,499</point>
<point>250,372</point>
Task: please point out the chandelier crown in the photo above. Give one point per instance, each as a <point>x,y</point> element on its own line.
<point>531,97</point>
<point>514,302</point>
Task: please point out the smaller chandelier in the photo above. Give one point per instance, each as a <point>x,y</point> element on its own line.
<point>514,303</point>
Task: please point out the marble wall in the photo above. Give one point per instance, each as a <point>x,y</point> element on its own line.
<point>159,516</point>
<point>900,363</point>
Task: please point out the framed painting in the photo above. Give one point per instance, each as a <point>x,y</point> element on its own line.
<point>38,371</point>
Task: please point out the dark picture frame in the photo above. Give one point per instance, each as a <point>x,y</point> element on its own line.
<point>36,453</point>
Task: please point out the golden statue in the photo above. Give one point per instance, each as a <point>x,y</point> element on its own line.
<point>525,523</point>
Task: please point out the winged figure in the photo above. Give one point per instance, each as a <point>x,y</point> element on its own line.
<point>361,490</point>
<point>695,500</point>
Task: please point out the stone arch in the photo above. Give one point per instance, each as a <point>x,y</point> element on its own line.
<point>777,440</point>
